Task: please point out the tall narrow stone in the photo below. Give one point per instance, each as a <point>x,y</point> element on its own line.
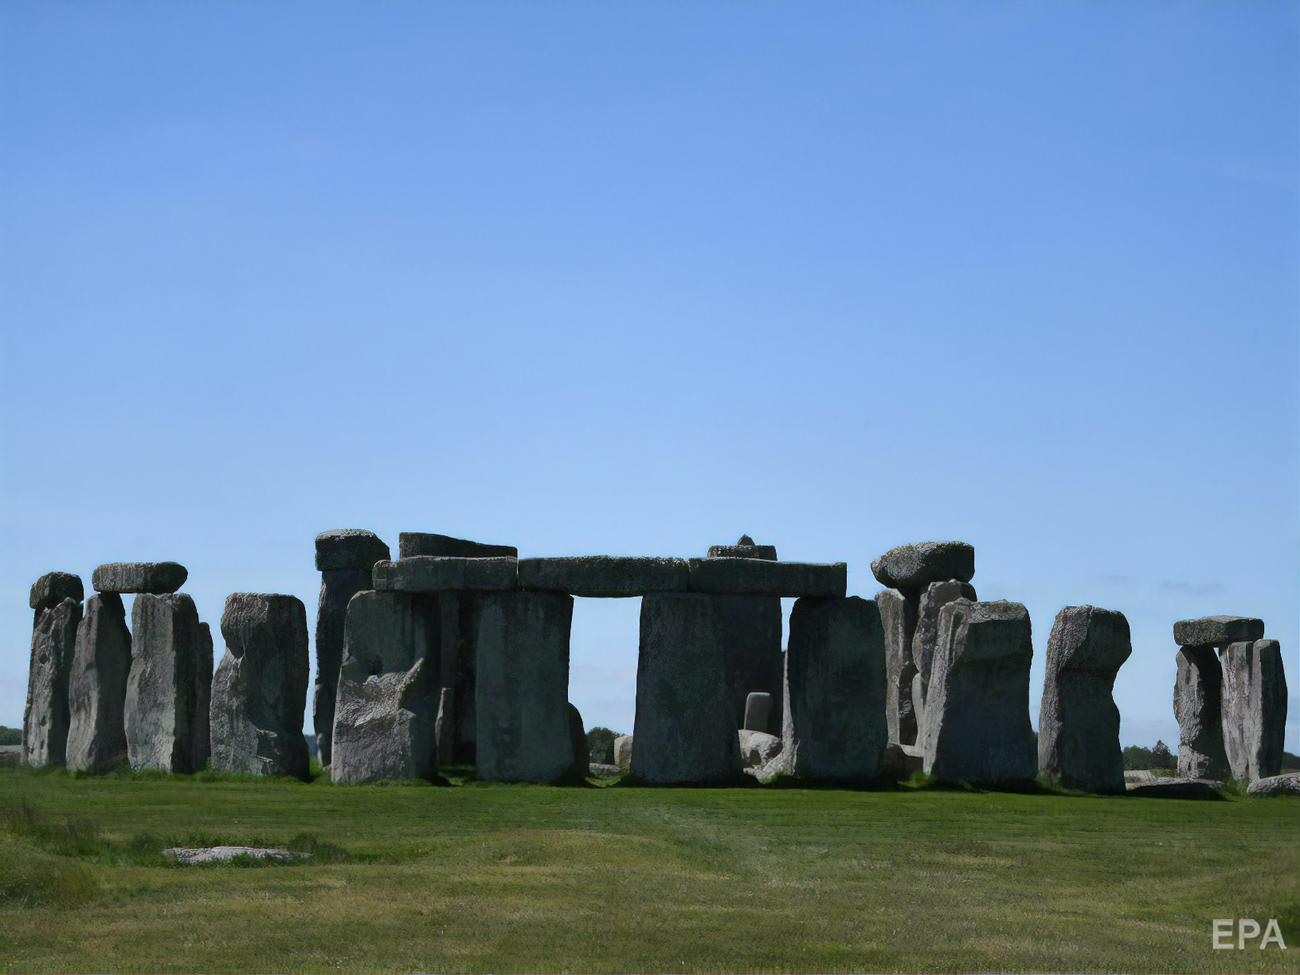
<point>751,628</point>
<point>1078,722</point>
<point>936,596</point>
<point>203,698</point>
<point>1198,693</point>
<point>977,710</point>
<point>834,722</point>
<point>522,687</point>
<point>685,715</point>
<point>162,688</point>
<point>45,719</point>
<point>259,692</point>
<point>1253,708</point>
<point>344,558</point>
<point>898,618</point>
<point>97,687</point>
<point>386,708</point>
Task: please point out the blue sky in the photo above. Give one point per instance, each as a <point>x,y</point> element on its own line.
<point>637,278</point>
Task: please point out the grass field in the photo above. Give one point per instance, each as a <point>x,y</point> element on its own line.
<point>509,878</point>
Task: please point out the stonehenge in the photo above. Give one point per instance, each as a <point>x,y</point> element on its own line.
<point>162,719</point>
<point>97,686</point>
<point>751,629</point>
<point>55,600</point>
<point>1253,708</point>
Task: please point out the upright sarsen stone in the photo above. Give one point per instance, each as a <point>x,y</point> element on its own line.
<point>1253,708</point>
<point>1078,722</point>
<point>685,717</point>
<point>522,708</point>
<point>834,723</point>
<point>45,718</point>
<point>162,688</point>
<point>898,618</point>
<point>203,698</point>
<point>97,687</point>
<point>386,708</point>
<point>936,596</point>
<point>751,638</point>
<point>977,711</point>
<point>260,688</point>
<point>1198,693</point>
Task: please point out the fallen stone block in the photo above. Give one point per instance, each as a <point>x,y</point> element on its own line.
<point>53,588</point>
<point>349,548</point>
<point>155,578</point>
<point>898,616</point>
<point>1217,631</point>
<point>761,577</point>
<point>1286,784</point>
<point>913,567</point>
<point>432,573</point>
<point>97,687</point>
<point>1177,789</point>
<point>1253,708</point>
<point>337,588</point>
<point>415,544</point>
<point>195,855</point>
<point>1198,694</point>
<point>162,687</point>
<point>46,718</point>
<point>757,748</point>
<point>604,575</point>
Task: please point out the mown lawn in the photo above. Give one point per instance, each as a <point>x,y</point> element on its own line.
<point>514,878</point>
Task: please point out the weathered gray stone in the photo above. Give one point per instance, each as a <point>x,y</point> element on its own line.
<point>53,588</point>
<point>444,731</point>
<point>1286,784</point>
<point>97,687</point>
<point>1253,708</point>
<point>387,694</point>
<point>913,567</point>
<point>522,687</point>
<point>601,770</point>
<point>156,578</point>
<point>349,548</point>
<point>433,573</point>
<point>757,748</point>
<point>977,708</point>
<point>750,627</point>
<point>743,549</point>
<point>203,699</point>
<point>162,687</point>
<point>762,577</point>
<point>898,613</point>
<point>45,719</point>
<point>834,724</point>
<point>1217,631</point>
<point>1176,789</point>
<point>685,718</point>
<point>1078,722</point>
<point>623,752</point>
<point>758,711</point>
<point>260,688</point>
<point>936,596</point>
<point>578,739</point>
<point>1198,692</point>
<point>604,575</point>
<point>415,544</point>
<point>337,588</point>
<point>188,856</point>
<point>1139,777</point>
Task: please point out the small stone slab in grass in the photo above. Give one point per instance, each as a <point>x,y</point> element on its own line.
<point>600,770</point>
<point>190,856</point>
<point>761,577</point>
<point>431,573</point>
<point>157,578</point>
<point>1286,784</point>
<point>1212,631</point>
<point>610,576</point>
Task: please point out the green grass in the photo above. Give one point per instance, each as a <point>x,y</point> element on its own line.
<point>485,877</point>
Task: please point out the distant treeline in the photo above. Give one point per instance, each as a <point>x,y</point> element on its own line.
<point>10,736</point>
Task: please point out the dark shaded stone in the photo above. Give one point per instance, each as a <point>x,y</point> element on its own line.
<point>750,628</point>
<point>936,596</point>
<point>522,687</point>
<point>45,718</point>
<point>834,727</point>
<point>53,588</point>
<point>387,692</point>
<point>431,573</point>
<point>913,567</point>
<point>743,549</point>
<point>761,577</point>
<point>1177,789</point>
<point>167,647</point>
<point>977,727</point>
<point>1078,722</point>
<point>155,578</point>
<point>260,689</point>
<point>349,548</point>
<point>1217,631</point>
<point>758,711</point>
<point>1253,708</point>
<point>97,687</point>
<point>685,717</point>
<point>203,699</point>
<point>578,741</point>
<point>898,614</point>
<point>337,587</point>
<point>1198,693</point>
<point>415,544</point>
<point>604,575</point>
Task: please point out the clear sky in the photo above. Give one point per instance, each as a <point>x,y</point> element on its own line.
<point>636,278</point>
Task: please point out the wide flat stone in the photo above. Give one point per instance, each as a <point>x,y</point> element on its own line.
<point>54,587</point>
<point>913,567</point>
<point>189,856</point>
<point>604,575</point>
<point>157,578</point>
<point>432,573</point>
<point>349,548</point>
<point>743,549</point>
<point>761,577</point>
<point>1286,784</point>
<point>1213,631</point>
<point>413,544</point>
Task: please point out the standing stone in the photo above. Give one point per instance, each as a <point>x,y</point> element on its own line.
<point>623,752</point>
<point>162,688</point>
<point>345,558</point>
<point>1078,722</point>
<point>45,719</point>
<point>686,720</point>
<point>758,711</point>
<point>977,710</point>
<point>203,699</point>
<point>898,618</point>
<point>834,722</point>
<point>522,687</point>
<point>578,737</point>
<point>1253,708</point>
<point>260,688</point>
<point>386,707</point>
<point>1198,693</point>
<point>936,596</point>
<point>97,687</point>
<point>444,731</point>
<point>751,637</point>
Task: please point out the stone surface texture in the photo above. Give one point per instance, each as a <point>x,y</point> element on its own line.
<point>604,575</point>
<point>1286,784</point>
<point>763,577</point>
<point>578,739</point>
<point>913,567</point>
<point>436,573</point>
<point>97,687</point>
<point>1253,708</point>
<point>1198,694</point>
<point>757,748</point>
<point>45,718</point>
<point>157,578</point>
<point>188,856</point>
<point>623,752</point>
<point>337,588</point>
<point>1217,631</point>
<point>162,720</point>
<point>935,597</point>
<point>898,613</point>
<point>349,548</point>
<point>415,544</point>
<point>53,588</point>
